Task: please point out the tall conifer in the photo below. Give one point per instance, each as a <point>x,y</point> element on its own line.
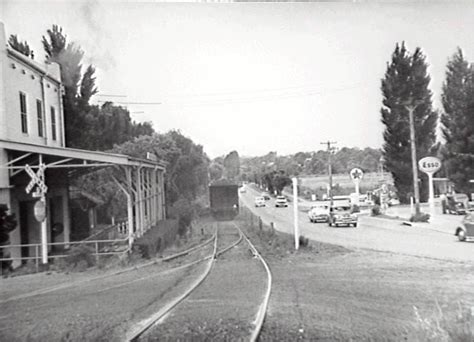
<point>406,80</point>
<point>458,121</point>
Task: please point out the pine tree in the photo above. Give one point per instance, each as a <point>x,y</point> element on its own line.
<point>458,121</point>
<point>406,79</point>
<point>21,47</point>
<point>78,88</point>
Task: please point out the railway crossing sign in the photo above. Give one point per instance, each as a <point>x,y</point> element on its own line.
<point>37,179</point>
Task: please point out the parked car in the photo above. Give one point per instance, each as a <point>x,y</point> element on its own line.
<point>455,204</point>
<point>265,195</point>
<point>342,215</point>
<point>466,230</point>
<point>281,201</point>
<point>259,202</point>
<point>393,201</point>
<point>319,213</point>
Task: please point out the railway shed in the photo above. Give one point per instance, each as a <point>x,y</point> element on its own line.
<point>49,170</point>
<point>36,166</point>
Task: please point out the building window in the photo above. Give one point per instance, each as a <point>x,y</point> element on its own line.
<point>39,110</point>
<point>53,123</point>
<point>23,114</point>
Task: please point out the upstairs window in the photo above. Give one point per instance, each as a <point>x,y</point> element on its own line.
<point>23,113</point>
<point>39,111</point>
<point>53,123</point>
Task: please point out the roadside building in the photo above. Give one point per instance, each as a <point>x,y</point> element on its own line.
<point>36,166</point>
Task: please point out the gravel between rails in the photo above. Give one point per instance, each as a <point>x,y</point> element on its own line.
<point>224,306</point>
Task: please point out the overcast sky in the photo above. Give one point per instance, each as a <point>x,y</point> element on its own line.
<point>251,77</point>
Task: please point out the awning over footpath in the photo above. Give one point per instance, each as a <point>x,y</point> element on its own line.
<point>142,180</point>
<point>65,157</point>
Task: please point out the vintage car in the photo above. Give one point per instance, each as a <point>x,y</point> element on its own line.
<point>319,213</point>
<point>259,202</point>
<point>342,215</point>
<point>281,201</point>
<point>455,204</point>
<point>466,229</point>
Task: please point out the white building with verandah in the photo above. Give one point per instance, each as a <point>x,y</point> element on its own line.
<point>35,164</point>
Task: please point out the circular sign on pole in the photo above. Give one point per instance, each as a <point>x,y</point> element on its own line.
<point>356,174</point>
<point>40,211</point>
<point>429,164</point>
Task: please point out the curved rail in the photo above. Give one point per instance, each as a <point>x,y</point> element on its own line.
<point>146,324</point>
<point>263,307</point>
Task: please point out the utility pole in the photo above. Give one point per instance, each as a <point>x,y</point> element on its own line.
<point>410,106</point>
<point>329,149</point>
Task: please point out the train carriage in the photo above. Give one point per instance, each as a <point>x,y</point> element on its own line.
<point>224,199</point>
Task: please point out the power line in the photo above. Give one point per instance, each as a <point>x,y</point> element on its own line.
<point>247,98</point>
<point>106,95</point>
<point>133,103</point>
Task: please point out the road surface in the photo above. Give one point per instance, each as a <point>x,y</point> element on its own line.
<point>372,233</point>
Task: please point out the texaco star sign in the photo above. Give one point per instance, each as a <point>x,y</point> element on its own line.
<point>356,174</point>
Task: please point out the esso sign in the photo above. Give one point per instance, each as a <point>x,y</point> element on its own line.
<point>429,164</point>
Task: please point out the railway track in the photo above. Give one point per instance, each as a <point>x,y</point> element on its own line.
<point>106,307</point>
<point>150,327</point>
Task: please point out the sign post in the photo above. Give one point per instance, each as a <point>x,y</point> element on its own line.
<point>430,165</point>
<point>356,176</point>
<point>295,212</point>
<point>37,179</point>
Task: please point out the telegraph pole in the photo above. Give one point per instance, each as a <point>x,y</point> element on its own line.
<point>410,106</point>
<point>330,149</point>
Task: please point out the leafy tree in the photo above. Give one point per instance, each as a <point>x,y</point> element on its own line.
<point>232,166</point>
<point>406,80</point>
<point>458,121</point>
<point>21,47</point>
<point>216,170</point>
<point>7,225</point>
<point>186,173</point>
<point>280,181</point>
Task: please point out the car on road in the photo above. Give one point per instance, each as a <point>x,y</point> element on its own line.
<point>319,213</point>
<point>465,231</point>
<point>342,215</point>
<point>455,204</point>
<point>266,196</point>
<point>259,202</point>
<point>281,201</point>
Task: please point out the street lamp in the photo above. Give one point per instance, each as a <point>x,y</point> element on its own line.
<point>410,106</point>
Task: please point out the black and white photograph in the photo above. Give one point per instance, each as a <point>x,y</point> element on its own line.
<point>236,171</point>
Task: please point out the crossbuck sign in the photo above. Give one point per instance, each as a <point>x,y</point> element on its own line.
<point>36,179</point>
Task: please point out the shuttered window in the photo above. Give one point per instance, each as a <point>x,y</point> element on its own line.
<point>23,113</point>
